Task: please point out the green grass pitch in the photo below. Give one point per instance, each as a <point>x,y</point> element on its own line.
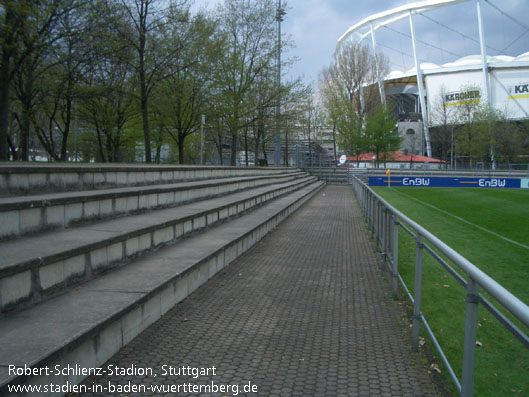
<point>490,227</point>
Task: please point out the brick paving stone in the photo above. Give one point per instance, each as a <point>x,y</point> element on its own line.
<point>307,311</point>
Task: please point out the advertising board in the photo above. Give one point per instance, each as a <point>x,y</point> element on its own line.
<point>446,92</point>
<point>451,90</point>
<point>510,92</point>
<point>421,181</point>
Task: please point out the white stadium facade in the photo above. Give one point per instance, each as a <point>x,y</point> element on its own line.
<point>501,81</point>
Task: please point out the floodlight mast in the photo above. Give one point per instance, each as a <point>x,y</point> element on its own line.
<point>384,18</point>
<point>280,13</point>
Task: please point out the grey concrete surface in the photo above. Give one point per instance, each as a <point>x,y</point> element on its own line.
<point>85,326</point>
<point>18,178</point>
<point>306,312</point>
<point>90,241</point>
<point>40,211</point>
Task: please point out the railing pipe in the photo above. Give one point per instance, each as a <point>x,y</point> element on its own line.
<point>471,329</point>
<point>502,295</point>
<point>395,257</point>
<point>383,242</point>
<point>417,294</point>
<point>385,222</point>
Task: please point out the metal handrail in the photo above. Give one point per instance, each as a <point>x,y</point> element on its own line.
<point>384,221</point>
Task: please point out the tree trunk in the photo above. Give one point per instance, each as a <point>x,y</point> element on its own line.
<point>218,143</point>
<point>108,145</point>
<point>157,159</point>
<point>233,160</point>
<point>264,152</point>
<point>100,146</point>
<point>4,105</point>
<point>256,149</point>
<point>67,125</point>
<point>246,146</point>
<point>24,133</point>
<point>181,140</point>
<point>26,109</point>
<point>145,118</point>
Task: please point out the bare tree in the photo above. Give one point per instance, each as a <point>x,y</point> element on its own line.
<point>348,94</point>
<point>26,31</point>
<point>182,97</point>
<point>146,20</point>
<point>249,53</point>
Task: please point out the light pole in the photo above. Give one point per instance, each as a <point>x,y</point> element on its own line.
<point>202,121</point>
<point>279,18</point>
<point>452,149</point>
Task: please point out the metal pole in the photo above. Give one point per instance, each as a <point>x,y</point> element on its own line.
<point>371,215</point>
<point>76,131</point>
<point>471,329</point>
<point>202,122</point>
<point>484,64</point>
<point>395,257</point>
<point>485,68</point>
<point>377,70</point>
<point>421,90</point>
<point>417,295</point>
<point>383,237</point>
<point>375,224</point>
<point>277,155</point>
<point>452,150</point>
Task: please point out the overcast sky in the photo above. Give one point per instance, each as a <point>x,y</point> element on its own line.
<point>314,26</point>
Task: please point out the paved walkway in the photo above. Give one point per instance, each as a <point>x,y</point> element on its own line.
<point>306,312</point>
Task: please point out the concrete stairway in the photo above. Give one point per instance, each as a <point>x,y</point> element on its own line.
<point>331,175</point>
<point>339,175</point>
<point>86,268</point>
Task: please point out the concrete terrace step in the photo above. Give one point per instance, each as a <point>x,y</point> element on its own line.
<point>26,214</point>
<point>34,268</point>
<point>331,175</point>
<point>87,325</point>
<point>27,178</point>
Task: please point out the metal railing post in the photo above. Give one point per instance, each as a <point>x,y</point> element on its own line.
<point>392,221</point>
<point>388,233</point>
<point>377,234</point>
<point>368,206</point>
<point>372,214</point>
<point>417,295</point>
<point>383,234</point>
<point>471,329</point>
<point>395,257</point>
<point>377,230</point>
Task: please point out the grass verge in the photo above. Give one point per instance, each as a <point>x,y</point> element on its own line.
<point>489,228</point>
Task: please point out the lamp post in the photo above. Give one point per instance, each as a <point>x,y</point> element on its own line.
<point>452,149</point>
<point>202,121</point>
<point>279,18</point>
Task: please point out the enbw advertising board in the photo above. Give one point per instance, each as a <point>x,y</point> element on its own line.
<point>422,181</point>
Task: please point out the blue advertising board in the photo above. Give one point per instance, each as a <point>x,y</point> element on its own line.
<point>428,181</point>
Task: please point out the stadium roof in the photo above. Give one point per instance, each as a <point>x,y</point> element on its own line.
<point>470,62</point>
<point>376,21</point>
